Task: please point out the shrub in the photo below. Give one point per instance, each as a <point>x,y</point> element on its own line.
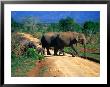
<point>15,43</point>
<point>32,53</point>
<point>22,64</point>
<point>21,61</point>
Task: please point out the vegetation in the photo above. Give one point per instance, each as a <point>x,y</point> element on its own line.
<point>66,24</point>
<point>21,62</point>
<point>90,28</point>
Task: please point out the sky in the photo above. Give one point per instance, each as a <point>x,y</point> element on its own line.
<point>55,16</point>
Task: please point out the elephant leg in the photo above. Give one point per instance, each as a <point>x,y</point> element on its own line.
<point>72,54</point>
<point>76,53</point>
<point>55,50</point>
<point>62,52</point>
<point>48,52</point>
<point>43,52</point>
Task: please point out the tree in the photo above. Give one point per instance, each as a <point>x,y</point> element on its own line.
<point>77,27</point>
<point>30,24</point>
<point>90,27</point>
<point>66,24</point>
<point>15,26</point>
<point>13,23</point>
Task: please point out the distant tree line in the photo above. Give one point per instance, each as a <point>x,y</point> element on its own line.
<point>30,24</point>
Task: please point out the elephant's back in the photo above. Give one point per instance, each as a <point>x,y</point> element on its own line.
<point>65,35</point>
<point>64,38</point>
<point>49,38</point>
<point>50,34</point>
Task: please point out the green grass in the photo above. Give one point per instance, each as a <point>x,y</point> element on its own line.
<point>93,55</point>
<point>20,65</point>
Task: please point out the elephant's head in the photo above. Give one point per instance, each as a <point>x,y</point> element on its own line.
<point>81,39</point>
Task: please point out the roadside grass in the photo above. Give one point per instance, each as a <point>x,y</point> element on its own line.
<point>20,65</point>
<point>93,51</point>
<point>92,56</point>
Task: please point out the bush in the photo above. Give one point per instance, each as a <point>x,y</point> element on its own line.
<point>22,64</point>
<point>32,53</point>
<point>15,43</point>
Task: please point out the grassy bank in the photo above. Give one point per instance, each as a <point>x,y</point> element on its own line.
<point>20,65</point>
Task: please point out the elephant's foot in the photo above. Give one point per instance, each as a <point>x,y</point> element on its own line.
<point>63,54</point>
<point>73,55</point>
<point>77,55</point>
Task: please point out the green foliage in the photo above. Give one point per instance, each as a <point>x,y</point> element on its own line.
<point>30,25</point>
<point>77,27</point>
<point>68,50</point>
<point>22,64</point>
<point>66,24</point>
<point>15,26</point>
<point>31,53</point>
<point>91,27</point>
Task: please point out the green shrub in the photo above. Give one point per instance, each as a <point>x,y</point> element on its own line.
<point>22,64</point>
<point>32,53</point>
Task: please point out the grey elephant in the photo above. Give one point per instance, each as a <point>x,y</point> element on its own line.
<point>61,40</point>
<point>48,40</point>
<point>68,39</point>
<point>40,50</point>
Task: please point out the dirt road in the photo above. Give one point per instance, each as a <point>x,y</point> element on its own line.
<point>63,66</point>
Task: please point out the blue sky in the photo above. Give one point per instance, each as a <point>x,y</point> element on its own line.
<point>55,16</point>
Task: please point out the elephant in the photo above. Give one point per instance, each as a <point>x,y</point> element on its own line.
<point>25,44</point>
<point>59,40</point>
<point>48,40</point>
<point>68,39</point>
<point>40,50</point>
<point>61,51</point>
